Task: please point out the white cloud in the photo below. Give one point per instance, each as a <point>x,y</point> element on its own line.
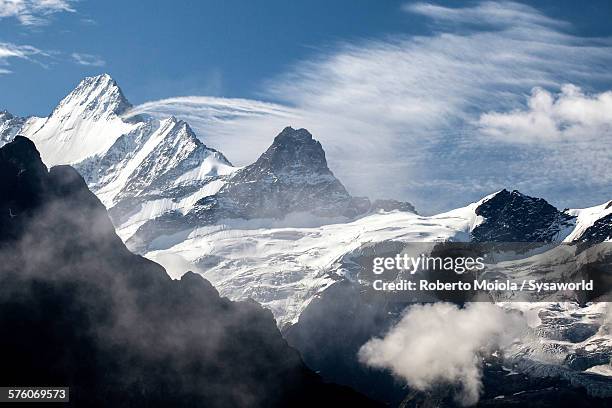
<point>397,115</point>
<point>88,59</point>
<point>567,115</point>
<point>242,127</point>
<point>488,12</point>
<point>33,12</point>
<point>442,344</point>
<point>12,51</point>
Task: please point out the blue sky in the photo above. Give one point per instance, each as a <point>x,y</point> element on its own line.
<point>445,101</point>
<point>157,49</point>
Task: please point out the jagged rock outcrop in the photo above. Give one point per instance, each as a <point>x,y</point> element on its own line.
<point>78,309</point>
<point>600,231</point>
<point>510,216</point>
<point>291,176</point>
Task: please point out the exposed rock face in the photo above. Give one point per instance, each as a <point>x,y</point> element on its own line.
<point>291,176</point>
<point>332,329</point>
<point>78,309</point>
<point>600,231</point>
<point>515,217</point>
<point>391,205</point>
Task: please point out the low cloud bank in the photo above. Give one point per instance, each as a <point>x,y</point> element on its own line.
<point>442,344</point>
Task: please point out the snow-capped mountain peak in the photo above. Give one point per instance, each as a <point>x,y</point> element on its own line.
<point>140,167</point>
<point>96,97</point>
<point>85,123</point>
<point>290,177</point>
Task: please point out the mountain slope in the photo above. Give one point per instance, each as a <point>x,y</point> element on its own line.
<point>593,224</point>
<point>157,178</point>
<point>144,174</point>
<point>86,122</point>
<point>291,177</point>
<point>284,267</point>
<point>138,166</point>
<point>79,310</point>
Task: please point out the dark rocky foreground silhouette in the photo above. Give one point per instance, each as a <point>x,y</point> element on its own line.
<point>78,309</point>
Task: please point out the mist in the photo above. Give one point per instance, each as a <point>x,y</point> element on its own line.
<point>441,343</point>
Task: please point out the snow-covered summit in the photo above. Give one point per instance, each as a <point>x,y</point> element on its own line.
<point>140,167</point>
<point>97,96</point>
<point>85,123</point>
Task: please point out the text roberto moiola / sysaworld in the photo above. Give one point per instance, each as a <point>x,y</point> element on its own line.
<point>460,265</point>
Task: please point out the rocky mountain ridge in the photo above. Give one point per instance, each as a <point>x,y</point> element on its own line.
<point>78,309</point>
<point>143,169</point>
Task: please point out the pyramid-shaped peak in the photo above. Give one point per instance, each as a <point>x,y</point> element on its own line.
<point>98,94</point>
<point>294,150</point>
<point>295,135</point>
<point>510,216</point>
<point>505,195</point>
<point>175,125</point>
<point>101,84</point>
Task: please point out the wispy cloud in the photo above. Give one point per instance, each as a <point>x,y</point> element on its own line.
<point>10,51</point>
<point>88,59</point>
<point>240,126</point>
<point>488,12</point>
<point>29,13</point>
<point>33,12</point>
<point>399,116</point>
